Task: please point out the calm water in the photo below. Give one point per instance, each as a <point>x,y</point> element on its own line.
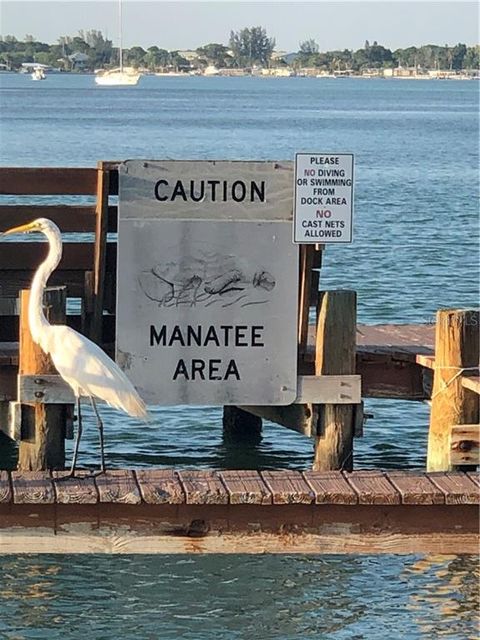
<point>415,250</point>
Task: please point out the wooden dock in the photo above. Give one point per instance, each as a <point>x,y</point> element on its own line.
<point>168,511</point>
<point>396,361</point>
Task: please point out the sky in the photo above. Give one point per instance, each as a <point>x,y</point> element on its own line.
<point>188,25</point>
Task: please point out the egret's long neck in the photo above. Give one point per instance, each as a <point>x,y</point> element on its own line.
<point>36,318</point>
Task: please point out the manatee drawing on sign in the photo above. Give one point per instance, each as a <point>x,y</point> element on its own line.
<point>207,279</point>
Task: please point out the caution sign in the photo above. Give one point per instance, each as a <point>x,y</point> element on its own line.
<point>323,211</point>
<point>207,282</point>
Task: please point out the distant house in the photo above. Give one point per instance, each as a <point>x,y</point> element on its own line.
<point>78,60</point>
<point>189,55</point>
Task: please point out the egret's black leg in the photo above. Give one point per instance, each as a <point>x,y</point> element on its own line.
<point>100,433</point>
<point>79,435</point>
<point>71,474</point>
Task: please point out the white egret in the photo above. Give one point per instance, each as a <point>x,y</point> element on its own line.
<point>80,362</point>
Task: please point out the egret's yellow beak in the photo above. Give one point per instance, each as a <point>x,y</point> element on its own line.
<point>23,228</point>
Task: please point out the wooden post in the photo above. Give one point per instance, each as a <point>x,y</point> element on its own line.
<point>310,262</point>
<point>95,287</point>
<point>456,349</point>
<point>42,444</point>
<point>241,426</point>
<point>335,354</point>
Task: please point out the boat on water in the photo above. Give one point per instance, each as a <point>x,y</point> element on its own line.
<point>38,74</point>
<point>121,76</point>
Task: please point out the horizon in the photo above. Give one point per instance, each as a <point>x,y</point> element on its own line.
<point>341,25</point>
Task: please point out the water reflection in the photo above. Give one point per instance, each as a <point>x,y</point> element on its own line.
<point>288,597</point>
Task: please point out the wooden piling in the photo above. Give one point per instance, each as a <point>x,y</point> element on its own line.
<point>241,426</point>
<point>456,353</point>
<point>335,354</point>
<point>42,444</point>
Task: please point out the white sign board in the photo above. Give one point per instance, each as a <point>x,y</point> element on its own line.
<point>323,208</point>
<point>206,294</point>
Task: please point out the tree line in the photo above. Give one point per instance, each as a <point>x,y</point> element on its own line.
<point>247,48</point>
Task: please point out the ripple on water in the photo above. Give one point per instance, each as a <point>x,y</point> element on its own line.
<point>288,597</point>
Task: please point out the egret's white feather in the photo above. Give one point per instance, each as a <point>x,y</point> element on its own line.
<point>89,371</point>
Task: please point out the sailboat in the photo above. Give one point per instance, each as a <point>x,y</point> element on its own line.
<point>122,75</point>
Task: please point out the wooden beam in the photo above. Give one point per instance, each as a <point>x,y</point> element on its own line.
<point>329,389</point>
<point>51,389</point>
<point>24,256</point>
<point>240,426</point>
<point>47,181</point>
<point>310,262</point>
<point>465,445</point>
<point>78,219</point>
<point>199,511</point>
<point>472,383</point>
<point>42,444</point>
<point>100,255</point>
<point>335,354</point>
<point>9,331</point>
<point>457,350</point>
<point>297,417</point>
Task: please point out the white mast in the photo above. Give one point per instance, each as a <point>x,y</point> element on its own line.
<point>121,36</point>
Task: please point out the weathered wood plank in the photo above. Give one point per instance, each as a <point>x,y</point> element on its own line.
<point>9,332</point>
<point>246,487</point>
<point>288,487</point>
<point>203,487</point>
<point>298,417</point>
<point>32,487</point>
<point>330,487</point>
<point>47,389</point>
<point>385,377</point>
<point>324,389</point>
<point>415,488</point>
<point>465,445</point>
<point>25,256</point>
<point>329,389</point>
<point>80,489</point>
<point>11,282</point>
<point>76,539</point>
<point>5,490</point>
<point>399,339</point>
<point>457,487</point>
<point>160,486</point>
<point>474,477</point>
<point>100,253</point>
<point>47,181</point>
<point>372,487</point>
<point>471,382</point>
<point>70,219</point>
<point>118,486</point>
<point>310,259</point>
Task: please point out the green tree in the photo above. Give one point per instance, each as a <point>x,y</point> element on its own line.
<point>156,58</point>
<point>215,54</point>
<point>135,56</point>
<point>251,47</point>
<point>472,58</point>
<point>459,52</point>
<point>178,62</point>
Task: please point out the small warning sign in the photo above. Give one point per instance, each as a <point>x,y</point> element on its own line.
<point>323,211</point>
